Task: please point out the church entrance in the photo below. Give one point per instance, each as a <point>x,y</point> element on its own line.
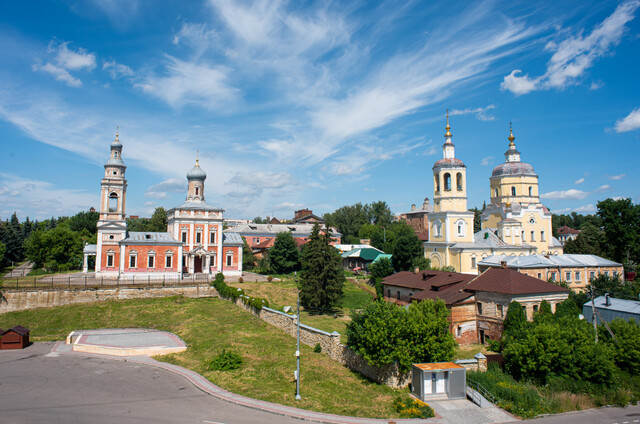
<point>197,264</point>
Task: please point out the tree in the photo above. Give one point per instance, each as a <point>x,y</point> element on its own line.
<point>380,213</point>
<point>615,287</point>
<point>515,321</point>
<point>383,334</point>
<point>626,345</point>
<point>158,221</point>
<point>56,249</point>
<point>2,252</point>
<point>406,249</point>
<point>321,278</point>
<point>590,241</point>
<point>84,221</point>
<point>13,240</point>
<point>621,221</point>
<point>284,256</point>
<point>348,220</point>
<point>248,258</point>
<point>380,269</point>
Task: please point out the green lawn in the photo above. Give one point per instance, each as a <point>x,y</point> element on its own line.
<point>208,326</point>
<point>284,293</point>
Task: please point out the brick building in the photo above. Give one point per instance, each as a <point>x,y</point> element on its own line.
<point>418,219</point>
<point>193,243</point>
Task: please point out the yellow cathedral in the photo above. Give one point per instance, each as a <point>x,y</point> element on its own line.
<point>515,223</point>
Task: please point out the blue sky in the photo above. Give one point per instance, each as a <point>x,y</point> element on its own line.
<point>318,105</point>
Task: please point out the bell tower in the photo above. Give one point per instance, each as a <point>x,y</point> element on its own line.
<point>449,178</point>
<point>112,225</point>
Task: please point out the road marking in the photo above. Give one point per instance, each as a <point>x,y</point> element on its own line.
<point>215,422</point>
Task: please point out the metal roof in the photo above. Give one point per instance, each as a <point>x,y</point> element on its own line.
<point>509,281</point>
<point>541,261</point>
<point>231,238</point>
<point>90,248</point>
<point>197,205</point>
<point>620,305</point>
<point>486,238</point>
<point>383,256</point>
<point>299,230</point>
<point>513,168</point>
<point>368,254</point>
<point>142,237</point>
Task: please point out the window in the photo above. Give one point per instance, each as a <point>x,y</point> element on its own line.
<point>592,275</point>
<point>542,238</point>
<point>500,311</point>
<point>184,236</point>
<point>198,237</point>
<point>389,293</point>
<point>113,202</point>
<point>522,235</point>
<point>567,275</point>
<point>184,260</point>
<point>437,181</point>
<point>447,182</point>
<point>540,275</point>
<point>461,228</point>
<point>513,191</point>
<point>606,273</point>
<point>615,274</point>
<point>151,261</point>
<point>212,237</point>
<point>115,155</point>
<point>197,191</point>
<point>473,262</point>
<point>459,181</point>
<point>398,295</point>
<point>132,261</point>
<point>229,258</point>
<point>437,228</point>
<point>553,276</point>
<point>496,192</point>
<point>459,331</point>
<point>530,191</point>
<point>533,236</point>
<point>577,276</point>
<point>479,308</point>
<point>109,259</point>
<point>535,308</point>
<point>167,261</point>
<point>507,231</point>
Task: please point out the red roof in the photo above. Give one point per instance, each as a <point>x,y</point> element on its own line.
<point>450,294</point>
<point>426,280</point>
<point>23,331</point>
<point>567,230</point>
<point>509,281</point>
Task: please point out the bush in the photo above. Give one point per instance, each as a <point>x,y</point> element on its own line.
<point>226,361</point>
<point>269,278</point>
<point>317,348</point>
<point>240,280</point>
<point>412,408</point>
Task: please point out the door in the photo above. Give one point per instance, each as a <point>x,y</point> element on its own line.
<point>440,382</point>
<point>197,264</point>
<point>428,383</point>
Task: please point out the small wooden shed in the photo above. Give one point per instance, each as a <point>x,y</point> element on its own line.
<point>14,338</point>
<point>439,380</point>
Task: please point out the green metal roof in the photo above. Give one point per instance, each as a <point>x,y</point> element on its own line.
<point>368,254</point>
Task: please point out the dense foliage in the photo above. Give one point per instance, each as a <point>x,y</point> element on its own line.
<point>350,219</point>
<point>407,248</point>
<point>384,333</point>
<point>615,287</point>
<point>321,278</point>
<point>12,237</point>
<point>226,361</point>
<point>408,407</point>
<point>380,269</point>
<point>157,223</point>
<point>284,257</point>
<point>248,258</point>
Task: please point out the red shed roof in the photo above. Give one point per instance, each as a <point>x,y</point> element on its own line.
<point>509,281</point>
<point>567,230</point>
<point>426,280</point>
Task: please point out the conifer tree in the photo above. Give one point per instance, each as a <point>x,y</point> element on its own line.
<point>322,278</point>
<point>284,256</point>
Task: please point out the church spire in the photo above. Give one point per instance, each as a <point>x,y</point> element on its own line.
<point>511,136</point>
<point>448,150</point>
<point>448,134</point>
<point>512,155</point>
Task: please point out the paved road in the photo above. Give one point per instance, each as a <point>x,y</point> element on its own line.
<point>41,387</point>
<point>628,415</point>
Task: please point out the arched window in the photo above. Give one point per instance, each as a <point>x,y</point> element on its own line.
<point>513,191</point>
<point>459,181</point>
<point>113,202</point>
<point>115,154</point>
<point>437,182</point>
<point>530,191</point>
<point>461,228</point>
<point>437,228</point>
<point>496,192</point>
<point>447,182</point>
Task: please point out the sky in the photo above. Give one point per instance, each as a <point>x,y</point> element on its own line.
<point>315,105</point>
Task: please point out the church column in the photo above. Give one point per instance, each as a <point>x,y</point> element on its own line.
<point>85,263</point>
<point>208,263</point>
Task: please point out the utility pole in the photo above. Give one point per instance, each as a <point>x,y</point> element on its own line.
<point>298,397</point>
<point>593,314</point>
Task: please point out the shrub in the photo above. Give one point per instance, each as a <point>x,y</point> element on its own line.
<point>317,348</point>
<point>269,278</point>
<point>226,361</point>
<point>240,280</point>
<point>412,408</point>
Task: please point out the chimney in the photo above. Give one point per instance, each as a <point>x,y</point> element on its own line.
<point>416,270</point>
<point>413,207</point>
<point>606,300</point>
<point>503,264</point>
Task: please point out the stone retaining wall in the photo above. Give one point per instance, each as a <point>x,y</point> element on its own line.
<point>21,300</point>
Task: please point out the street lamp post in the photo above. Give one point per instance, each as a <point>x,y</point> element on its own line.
<point>298,397</point>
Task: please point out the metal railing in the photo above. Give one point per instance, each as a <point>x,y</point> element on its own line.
<point>83,281</point>
<point>479,388</point>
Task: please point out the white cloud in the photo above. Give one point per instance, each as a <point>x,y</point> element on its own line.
<point>579,181</point>
<point>590,208</point>
<point>604,187</point>
<point>487,160</point>
<point>596,85</point>
<point>116,69</point>
<point>570,194</point>
<point>479,112</point>
<point>288,205</point>
<point>171,185</point>
<point>574,55</point>
<point>190,83</point>
<point>65,60</point>
<point>262,179</point>
<point>630,122</point>
<point>617,177</point>
<point>432,150</point>
<point>41,199</point>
